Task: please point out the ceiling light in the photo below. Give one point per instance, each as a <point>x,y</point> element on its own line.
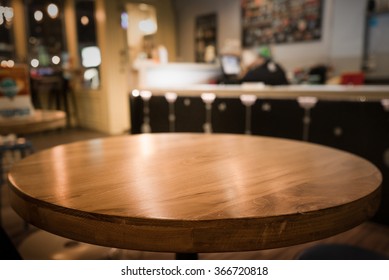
<point>34,62</point>
<point>148,26</point>
<point>52,10</point>
<point>38,15</point>
<point>56,59</point>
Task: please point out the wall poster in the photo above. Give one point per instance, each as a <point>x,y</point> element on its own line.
<point>280,21</point>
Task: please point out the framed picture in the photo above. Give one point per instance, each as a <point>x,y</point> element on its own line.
<point>280,21</point>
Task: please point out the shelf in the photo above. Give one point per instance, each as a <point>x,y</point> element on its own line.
<point>206,35</point>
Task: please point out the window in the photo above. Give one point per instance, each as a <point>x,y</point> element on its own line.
<point>6,43</point>
<point>87,43</point>
<point>46,44</point>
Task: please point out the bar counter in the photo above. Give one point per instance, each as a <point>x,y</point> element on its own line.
<point>324,92</point>
<point>349,118</point>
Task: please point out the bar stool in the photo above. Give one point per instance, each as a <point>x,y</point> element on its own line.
<point>146,95</point>
<point>59,93</point>
<point>208,98</point>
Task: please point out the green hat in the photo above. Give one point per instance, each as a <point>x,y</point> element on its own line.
<point>264,51</point>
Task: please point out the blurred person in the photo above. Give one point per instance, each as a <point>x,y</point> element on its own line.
<point>264,69</point>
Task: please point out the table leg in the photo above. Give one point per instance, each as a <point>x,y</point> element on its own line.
<point>187,256</point>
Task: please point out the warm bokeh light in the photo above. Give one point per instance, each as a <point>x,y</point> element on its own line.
<point>208,97</point>
<point>52,10</point>
<point>171,97</point>
<point>38,15</point>
<point>56,59</point>
<point>8,13</point>
<point>3,63</point>
<point>84,20</point>
<point>248,99</point>
<point>91,75</point>
<point>135,93</point>
<point>91,56</point>
<point>32,40</point>
<point>10,63</point>
<point>34,62</point>
<point>307,102</point>
<point>148,26</point>
<point>146,95</point>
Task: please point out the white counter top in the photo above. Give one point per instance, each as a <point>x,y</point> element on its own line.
<point>323,92</point>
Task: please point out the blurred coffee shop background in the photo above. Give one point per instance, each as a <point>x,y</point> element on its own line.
<point>109,63</point>
<point>100,45</point>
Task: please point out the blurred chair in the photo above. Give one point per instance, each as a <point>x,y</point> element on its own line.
<point>21,145</point>
<point>339,252</point>
<point>8,251</point>
<point>58,91</point>
<point>307,103</point>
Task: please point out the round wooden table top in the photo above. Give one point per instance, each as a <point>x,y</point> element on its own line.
<point>41,120</point>
<point>194,192</point>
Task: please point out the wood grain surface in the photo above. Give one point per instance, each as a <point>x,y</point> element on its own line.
<point>194,192</point>
<point>41,120</point>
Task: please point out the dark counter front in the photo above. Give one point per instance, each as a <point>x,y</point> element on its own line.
<point>359,127</point>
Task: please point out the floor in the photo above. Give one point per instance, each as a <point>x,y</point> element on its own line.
<point>34,243</point>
